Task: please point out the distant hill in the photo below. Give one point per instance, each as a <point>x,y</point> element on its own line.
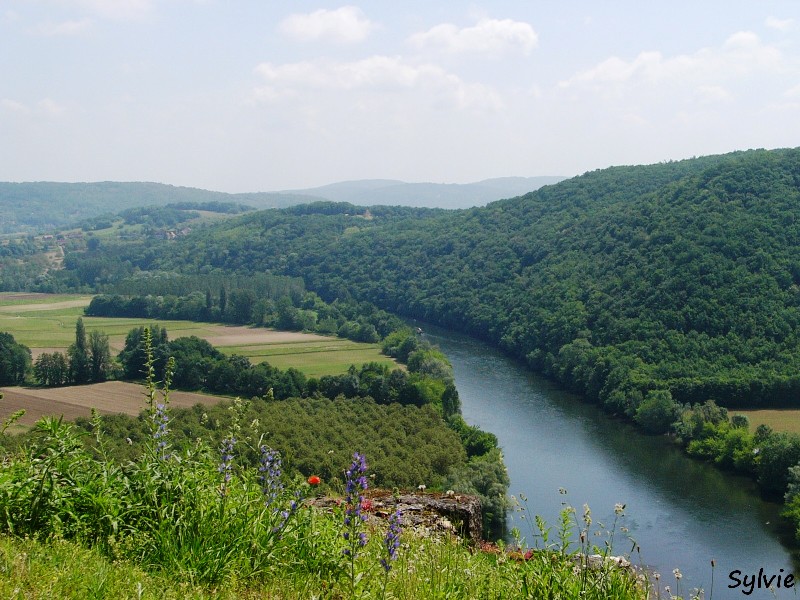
<point>371,192</point>
<point>41,206</point>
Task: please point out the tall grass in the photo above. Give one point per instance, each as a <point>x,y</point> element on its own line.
<point>197,520</point>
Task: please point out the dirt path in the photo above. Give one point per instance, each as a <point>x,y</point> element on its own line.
<point>19,308</point>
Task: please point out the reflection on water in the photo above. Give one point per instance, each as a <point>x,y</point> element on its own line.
<point>682,513</point>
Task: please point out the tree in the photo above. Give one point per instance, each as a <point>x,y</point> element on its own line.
<point>451,404</point>
<point>51,369</point>
<point>223,301</point>
<point>79,365</point>
<point>133,356</point>
<point>15,360</point>
<point>99,356</point>
<point>657,411</point>
<point>242,302</point>
<point>287,314</point>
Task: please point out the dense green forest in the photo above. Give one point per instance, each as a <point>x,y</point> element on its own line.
<point>680,276</point>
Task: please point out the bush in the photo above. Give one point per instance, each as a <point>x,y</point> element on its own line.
<point>657,412</point>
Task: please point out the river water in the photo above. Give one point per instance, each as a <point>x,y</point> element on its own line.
<point>680,512</point>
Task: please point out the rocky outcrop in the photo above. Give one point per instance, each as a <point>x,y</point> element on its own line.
<point>426,513</point>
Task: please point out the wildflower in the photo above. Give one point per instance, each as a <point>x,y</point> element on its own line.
<point>226,462</point>
<point>366,505</point>
<point>619,508</point>
<point>269,470</point>
<point>451,493</point>
<point>355,483</point>
<point>391,541</point>
<point>314,480</point>
<point>677,573</point>
<point>422,487</point>
<point>285,514</point>
<point>160,428</point>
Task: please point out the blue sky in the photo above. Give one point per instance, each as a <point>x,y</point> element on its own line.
<point>257,95</point>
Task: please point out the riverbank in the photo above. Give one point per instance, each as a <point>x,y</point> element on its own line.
<point>682,512</point>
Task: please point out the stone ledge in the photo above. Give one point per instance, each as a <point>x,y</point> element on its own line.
<point>428,513</point>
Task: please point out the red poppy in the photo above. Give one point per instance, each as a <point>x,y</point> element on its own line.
<point>314,480</point>
<point>366,505</point>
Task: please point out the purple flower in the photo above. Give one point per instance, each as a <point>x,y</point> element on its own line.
<point>160,429</point>
<point>355,482</point>
<point>391,541</point>
<point>226,462</point>
<point>285,514</point>
<point>270,474</point>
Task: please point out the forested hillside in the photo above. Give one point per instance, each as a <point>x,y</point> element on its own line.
<point>34,207</point>
<point>680,276</point>
<point>40,206</point>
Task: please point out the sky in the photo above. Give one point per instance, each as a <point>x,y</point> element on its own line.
<point>265,95</point>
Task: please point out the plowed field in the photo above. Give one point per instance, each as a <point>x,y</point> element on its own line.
<point>77,401</point>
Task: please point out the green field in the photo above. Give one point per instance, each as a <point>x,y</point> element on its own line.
<point>46,323</point>
<point>785,419</point>
<point>330,357</point>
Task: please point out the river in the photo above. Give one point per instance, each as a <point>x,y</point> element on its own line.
<point>682,513</point>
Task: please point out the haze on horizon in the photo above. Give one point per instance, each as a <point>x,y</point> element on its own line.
<point>256,96</point>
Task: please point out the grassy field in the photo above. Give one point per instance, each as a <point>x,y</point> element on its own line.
<point>46,323</point>
<point>329,356</point>
<point>786,419</point>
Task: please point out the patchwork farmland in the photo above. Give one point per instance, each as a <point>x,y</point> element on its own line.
<point>46,323</point>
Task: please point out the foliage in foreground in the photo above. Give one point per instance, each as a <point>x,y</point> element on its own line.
<point>195,525</point>
<point>202,523</point>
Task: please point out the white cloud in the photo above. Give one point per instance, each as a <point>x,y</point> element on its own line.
<point>50,108</point>
<point>45,107</point>
<point>377,74</point>
<point>780,24</point>
<point>64,28</point>
<point>491,37</point>
<point>743,54</point>
<point>14,106</point>
<point>712,94</point>
<point>793,92</point>
<point>346,24</point>
<point>111,9</point>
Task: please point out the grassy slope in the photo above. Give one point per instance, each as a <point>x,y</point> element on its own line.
<point>425,569</point>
